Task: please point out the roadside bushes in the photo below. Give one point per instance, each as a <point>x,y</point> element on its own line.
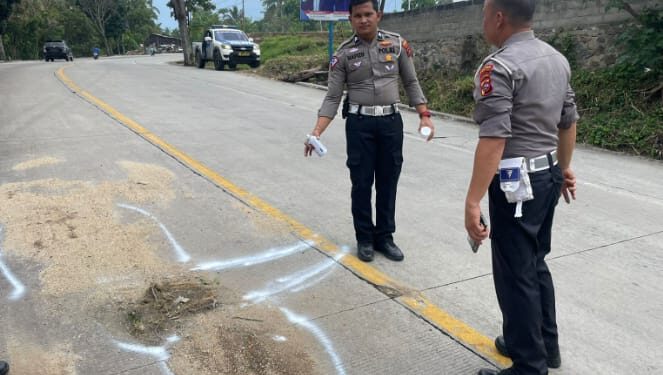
<point>617,113</point>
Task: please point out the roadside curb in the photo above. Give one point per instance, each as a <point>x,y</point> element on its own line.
<point>400,106</point>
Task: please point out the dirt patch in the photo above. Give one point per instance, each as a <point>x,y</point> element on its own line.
<point>37,360</point>
<point>74,229</point>
<point>167,303</point>
<point>217,335</point>
<point>146,183</point>
<point>251,341</point>
<point>36,163</point>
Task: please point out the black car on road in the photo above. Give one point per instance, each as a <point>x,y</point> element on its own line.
<point>57,49</point>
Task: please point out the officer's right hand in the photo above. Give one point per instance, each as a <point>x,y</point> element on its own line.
<point>569,185</point>
<point>475,230</point>
<point>308,148</point>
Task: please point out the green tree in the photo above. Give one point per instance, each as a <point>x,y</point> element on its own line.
<point>201,20</point>
<point>141,19</point>
<point>100,13</point>
<point>181,10</point>
<point>642,43</point>
<point>34,21</point>
<point>5,11</point>
<point>232,15</point>
<point>131,23</point>
<point>31,23</point>
<point>282,16</point>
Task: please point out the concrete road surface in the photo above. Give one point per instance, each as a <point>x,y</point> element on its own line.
<point>118,172</point>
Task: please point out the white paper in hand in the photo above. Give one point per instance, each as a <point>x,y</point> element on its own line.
<point>318,147</point>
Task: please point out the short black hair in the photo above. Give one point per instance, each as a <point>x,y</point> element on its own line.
<point>520,12</point>
<point>354,3</point>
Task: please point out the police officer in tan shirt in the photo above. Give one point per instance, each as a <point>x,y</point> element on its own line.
<point>527,115</point>
<point>370,63</point>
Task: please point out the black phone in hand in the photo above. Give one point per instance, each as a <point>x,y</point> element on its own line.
<point>475,245</point>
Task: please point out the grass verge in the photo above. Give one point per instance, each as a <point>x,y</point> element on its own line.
<point>616,113</point>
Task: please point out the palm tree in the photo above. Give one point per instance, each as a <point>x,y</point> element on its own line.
<point>232,15</point>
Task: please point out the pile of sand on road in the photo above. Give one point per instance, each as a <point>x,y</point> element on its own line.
<point>73,229</point>
<point>219,336</point>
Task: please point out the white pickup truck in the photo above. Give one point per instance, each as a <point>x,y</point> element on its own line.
<point>226,45</point>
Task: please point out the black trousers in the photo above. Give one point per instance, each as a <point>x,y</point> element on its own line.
<point>375,154</point>
<point>523,282</point>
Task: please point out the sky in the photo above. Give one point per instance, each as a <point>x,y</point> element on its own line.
<point>253,9</point>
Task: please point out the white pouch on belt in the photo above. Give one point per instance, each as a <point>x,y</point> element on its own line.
<point>514,182</point>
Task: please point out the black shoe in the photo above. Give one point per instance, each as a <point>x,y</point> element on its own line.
<point>390,250</point>
<point>4,368</point>
<point>490,371</point>
<point>364,252</point>
<point>554,359</point>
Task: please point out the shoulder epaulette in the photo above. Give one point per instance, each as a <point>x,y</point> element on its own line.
<point>388,33</point>
<point>349,42</point>
<point>497,60</point>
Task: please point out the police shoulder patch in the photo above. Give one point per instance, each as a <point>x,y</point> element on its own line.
<point>333,62</point>
<point>408,48</point>
<point>485,80</point>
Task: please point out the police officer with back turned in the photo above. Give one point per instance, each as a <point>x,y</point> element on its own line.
<point>370,63</point>
<point>527,115</point>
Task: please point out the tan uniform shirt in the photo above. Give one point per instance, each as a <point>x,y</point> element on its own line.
<point>371,71</point>
<point>522,93</point>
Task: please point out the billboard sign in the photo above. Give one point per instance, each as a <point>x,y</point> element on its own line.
<point>324,10</point>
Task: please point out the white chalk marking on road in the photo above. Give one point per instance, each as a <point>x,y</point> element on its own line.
<point>295,280</point>
<point>624,192</point>
<point>279,338</point>
<point>160,353</point>
<point>319,334</point>
<point>267,256</point>
<point>172,339</point>
<point>165,369</point>
<point>19,288</point>
<point>345,250</point>
<point>182,255</point>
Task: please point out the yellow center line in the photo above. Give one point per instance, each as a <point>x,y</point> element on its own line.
<point>407,297</point>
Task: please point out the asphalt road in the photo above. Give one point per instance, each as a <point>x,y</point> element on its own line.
<point>213,162</point>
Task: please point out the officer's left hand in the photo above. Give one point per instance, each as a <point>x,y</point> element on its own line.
<point>569,185</point>
<point>426,121</point>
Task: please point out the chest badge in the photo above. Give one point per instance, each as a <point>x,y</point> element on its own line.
<point>357,64</point>
<point>389,67</point>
